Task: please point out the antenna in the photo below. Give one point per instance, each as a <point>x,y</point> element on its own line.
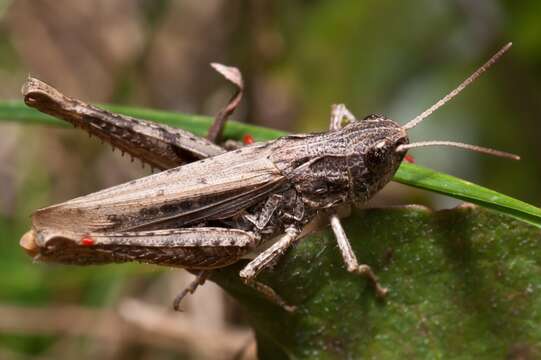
<point>475,148</point>
<point>412,123</point>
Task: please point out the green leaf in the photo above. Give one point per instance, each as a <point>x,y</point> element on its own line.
<point>463,283</point>
<point>409,174</point>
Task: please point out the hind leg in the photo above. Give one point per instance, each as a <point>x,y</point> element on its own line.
<point>233,75</point>
<point>338,113</point>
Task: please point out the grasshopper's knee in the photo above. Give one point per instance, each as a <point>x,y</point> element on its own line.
<point>364,270</point>
<point>247,275</point>
<point>367,272</point>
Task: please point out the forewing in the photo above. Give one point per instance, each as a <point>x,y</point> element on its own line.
<point>213,188</point>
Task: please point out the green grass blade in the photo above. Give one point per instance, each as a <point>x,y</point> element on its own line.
<point>408,174</point>
<point>424,178</point>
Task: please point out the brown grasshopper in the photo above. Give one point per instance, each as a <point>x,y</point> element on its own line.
<point>220,206</point>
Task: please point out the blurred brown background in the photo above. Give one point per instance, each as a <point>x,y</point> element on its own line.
<point>298,58</point>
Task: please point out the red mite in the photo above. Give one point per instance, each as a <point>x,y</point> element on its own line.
<point>248,139</point>
<point>87,241</point>
<point>409,159</point>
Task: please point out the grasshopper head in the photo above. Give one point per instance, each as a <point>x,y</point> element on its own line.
<point>375,156</point>
<point>380,145</point>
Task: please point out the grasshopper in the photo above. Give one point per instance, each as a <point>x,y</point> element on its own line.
<point>210,207</point>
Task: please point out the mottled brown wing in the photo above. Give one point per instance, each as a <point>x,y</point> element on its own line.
<point>213,188</point>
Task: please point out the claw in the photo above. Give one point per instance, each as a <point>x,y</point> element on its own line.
<point>365,270</point>
<point>190,289</point>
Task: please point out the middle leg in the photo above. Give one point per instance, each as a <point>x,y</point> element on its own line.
<point>200,279</point>
<point>266,259</point>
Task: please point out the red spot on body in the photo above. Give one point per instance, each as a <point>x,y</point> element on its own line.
<point>248,139</point>
<point>409,159</point>
<point>87,241</point>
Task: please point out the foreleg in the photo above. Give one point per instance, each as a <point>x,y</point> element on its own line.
<point>351,260</point>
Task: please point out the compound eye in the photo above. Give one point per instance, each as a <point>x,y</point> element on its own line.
<point>402,141</point>
<point>374,117</point>
<point>375,158</point>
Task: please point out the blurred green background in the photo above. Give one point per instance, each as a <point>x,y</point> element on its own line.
<point>298,58</point>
